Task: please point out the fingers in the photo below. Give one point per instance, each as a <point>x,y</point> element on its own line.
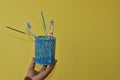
<point>32,65</point>
<point>43,68</point>
<point>45,71</point>
<point>50,68</point>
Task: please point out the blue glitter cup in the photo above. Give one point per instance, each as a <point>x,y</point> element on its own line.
<point>45,50</point>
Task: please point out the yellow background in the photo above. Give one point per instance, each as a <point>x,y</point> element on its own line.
<point>87,31</point>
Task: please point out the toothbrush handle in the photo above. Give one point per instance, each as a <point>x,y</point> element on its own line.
<point>51,35</point>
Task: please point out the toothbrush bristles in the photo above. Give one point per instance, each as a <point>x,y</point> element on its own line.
<point>51,28</point>
<point>51,22</point>
<point>28,24</point>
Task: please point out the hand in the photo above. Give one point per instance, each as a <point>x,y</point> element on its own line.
<point>42,74</point>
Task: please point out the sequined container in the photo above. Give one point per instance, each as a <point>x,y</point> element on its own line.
<point>45,50</point>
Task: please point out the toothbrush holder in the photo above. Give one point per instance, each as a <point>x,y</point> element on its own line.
<point>45,50</point>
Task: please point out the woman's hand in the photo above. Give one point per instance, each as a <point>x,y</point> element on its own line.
<point>42,73</point>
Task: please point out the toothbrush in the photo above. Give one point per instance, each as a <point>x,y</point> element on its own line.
<point>28,26</point>
<point>43,20</point>
<point>51,28</point>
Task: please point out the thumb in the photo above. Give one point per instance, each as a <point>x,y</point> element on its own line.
<point>32,64</point>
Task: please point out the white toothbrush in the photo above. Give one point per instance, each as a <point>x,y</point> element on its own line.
<point>51,28</point>
<point>28,26</point>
